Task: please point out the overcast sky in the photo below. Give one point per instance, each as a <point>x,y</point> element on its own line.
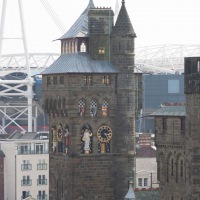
<point>155,22</point>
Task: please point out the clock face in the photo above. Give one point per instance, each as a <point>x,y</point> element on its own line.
<point>104,133</point>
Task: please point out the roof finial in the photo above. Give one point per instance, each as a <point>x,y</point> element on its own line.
<point>123,1</point>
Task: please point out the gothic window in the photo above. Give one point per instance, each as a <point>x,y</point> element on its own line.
<point>181,168</point>
<point>86,139</point>
<point>81,105</point>
<point>83,47</point>
<point>93,108</point>
<point>104,108</point>
<point>106,80</point>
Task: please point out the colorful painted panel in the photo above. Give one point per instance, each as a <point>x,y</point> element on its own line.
<point>67,139</point>
<point>81,105</point>
<point>86,139</point>
<point>60,137</point>
<point>93,108</point>
<point>54,138</point>
<point>104,108</point>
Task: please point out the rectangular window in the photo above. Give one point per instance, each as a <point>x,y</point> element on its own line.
<point>146,182</point>
<point>41,180</point>
<point>25,194</point>
<point>41,195</point>
<point>39,148</point>
<point>24,148</point>
<point>26,181</point>
<point>173,86</point>
<point>88,80</point>
<point>106,80</point>
<point>140,182</point>
<point>42,165</point>
<point>26,165</point>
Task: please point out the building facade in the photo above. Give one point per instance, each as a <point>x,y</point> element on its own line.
<point>192,92</point>
<point>170,142</point>
<point>26,166</point>
<point>89,95</point>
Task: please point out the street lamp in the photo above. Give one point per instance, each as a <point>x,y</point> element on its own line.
<point>130,195</point>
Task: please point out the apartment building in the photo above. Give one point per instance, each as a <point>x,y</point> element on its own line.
<point>26,166</point>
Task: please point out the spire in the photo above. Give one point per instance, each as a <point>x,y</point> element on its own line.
<point>130,195</point>
<point>80,27</point>
<point>116,10</point>
<point>123,23</point>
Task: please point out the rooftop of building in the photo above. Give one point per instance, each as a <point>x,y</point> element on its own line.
<point>173,110</point>
<point>147,194</point>
<point>79,63</point>
<point>146,152</point>
<point>29,136</point>
<point>80,27</point>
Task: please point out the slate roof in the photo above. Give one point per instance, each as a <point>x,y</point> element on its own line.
<point>80,27</point>
<point>170,111</point>
<point>123,23</point>
<point>145,152</point>
<point>79,63</point>
<point>147,195</point>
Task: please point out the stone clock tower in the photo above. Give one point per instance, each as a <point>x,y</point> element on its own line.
<point>88,93</point>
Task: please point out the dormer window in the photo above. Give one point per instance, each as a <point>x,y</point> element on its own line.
<point>83,47</point>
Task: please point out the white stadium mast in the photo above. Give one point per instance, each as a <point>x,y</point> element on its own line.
<point>9,91</point>
<point>12,111</point>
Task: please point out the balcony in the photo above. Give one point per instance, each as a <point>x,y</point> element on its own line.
<point>42,166</point>
<point>42,181</point>
<point>26,182</point>
<point>32,152</point>
<point>42,197</point>
<point>25,167</point>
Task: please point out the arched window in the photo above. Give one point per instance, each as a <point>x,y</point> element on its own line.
<point>181,168</point>
<point>104,108</point>
<point>83,47</point>
<point>93,108</point>
<point>81,107</point>
<point>172,167</point>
